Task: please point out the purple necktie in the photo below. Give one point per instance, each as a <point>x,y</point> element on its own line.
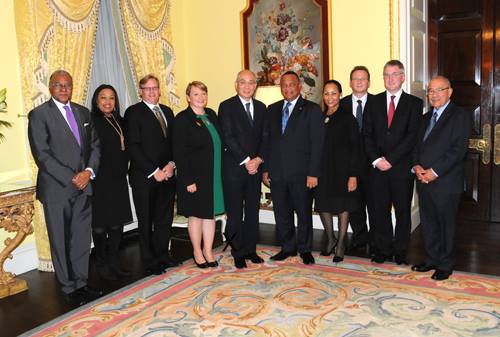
<point>72,123</point>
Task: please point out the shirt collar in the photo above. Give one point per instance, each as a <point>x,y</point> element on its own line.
<point>151,106</point>
<point>244,101</point>
<point>441,109</point>
<point>362,98</point>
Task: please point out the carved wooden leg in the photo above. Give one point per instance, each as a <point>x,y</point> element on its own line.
<point>16,213</point>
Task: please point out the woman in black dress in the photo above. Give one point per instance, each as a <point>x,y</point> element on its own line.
<point>110,202</point>
<point>336,192</point>
<point>197,154</point>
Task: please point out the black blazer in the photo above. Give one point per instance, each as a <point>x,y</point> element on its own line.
<point>296,154</point>
<point>397,142</point>
<point>444,149</point>
<point>241,138</point>
<point>148,149</point>
<point>194,157</point>
<point>56,151</point>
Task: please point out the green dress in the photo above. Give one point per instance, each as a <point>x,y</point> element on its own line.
<point>217,186</point>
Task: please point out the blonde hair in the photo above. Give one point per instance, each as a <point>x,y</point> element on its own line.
<point>198,84</point>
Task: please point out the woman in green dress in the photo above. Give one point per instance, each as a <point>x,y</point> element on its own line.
<point>197,154</point>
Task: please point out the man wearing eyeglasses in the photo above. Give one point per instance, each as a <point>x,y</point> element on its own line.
<point>390,134</point>
<point>438,165</point>
<point>66,150</point>
<point>241,119</point>
<point>151,174</point>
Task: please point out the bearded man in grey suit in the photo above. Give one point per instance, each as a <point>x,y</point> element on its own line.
<point>66,150</point>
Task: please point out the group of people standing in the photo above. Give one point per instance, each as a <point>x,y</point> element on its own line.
<point>361,151</point>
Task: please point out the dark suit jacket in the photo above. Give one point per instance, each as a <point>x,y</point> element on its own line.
<point>444,149</point>
<point>194,157</point>
<point>56,151</point>
<point>296,154</point>
<point>346,104</point>
<point>147,147</point>
<point>397,142</point>
<point>241,139</point>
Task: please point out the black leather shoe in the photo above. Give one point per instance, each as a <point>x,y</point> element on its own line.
<point>282,255</point>
<point>239,262</point>
<point>168,263</point>
<point>440,275</point>
<point>75,299</point>
<point>155,269</point>
<point>254,258</point>
<point>213,264</point>
<point>378,258</point>
<point>89,294</point>
<point>400,260</point>
<point>307,258</point>
<point>422,268</point>
<point>337,259</point>
<point>121,272</point>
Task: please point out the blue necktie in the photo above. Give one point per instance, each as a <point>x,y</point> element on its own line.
<point>431,125</point>
<point>359,114</point>
<point>284,117</point>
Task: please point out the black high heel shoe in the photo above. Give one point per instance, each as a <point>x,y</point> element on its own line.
<point>201,265</point>
<point>213,264</point>
<point>325,252</point>
<point>339,258</point>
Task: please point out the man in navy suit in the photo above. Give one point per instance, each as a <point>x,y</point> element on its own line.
<point>292,166</point>
<point>359,103</point>
<point>438,163</point>
<point>390,133</point>
<point>241,120</point>
<point>151,174</point>
<point>66,150</point>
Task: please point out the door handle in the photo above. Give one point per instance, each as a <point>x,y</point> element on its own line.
<point>483,145</point>
<point>496,155</point>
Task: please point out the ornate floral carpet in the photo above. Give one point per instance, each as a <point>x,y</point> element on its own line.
<point>353,298</point>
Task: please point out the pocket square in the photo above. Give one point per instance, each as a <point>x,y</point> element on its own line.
<point>86,124</point>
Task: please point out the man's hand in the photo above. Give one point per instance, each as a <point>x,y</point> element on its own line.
<point>191,188</point>
<point>81,179</point>
<point>160,175</point>
<point>428,176</point>
<point>265,179</point>
<point>419,171</point>
<point>311,182</point>
<point>383,165</point>
<point>169,170</point>
<point>252,165</point>
<point>352,184</point>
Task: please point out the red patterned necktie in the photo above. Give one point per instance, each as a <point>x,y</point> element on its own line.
<point>390,114</point>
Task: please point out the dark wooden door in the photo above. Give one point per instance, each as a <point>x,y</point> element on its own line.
<point>462,37</point>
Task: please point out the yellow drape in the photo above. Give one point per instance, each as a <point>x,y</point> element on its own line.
<point>53,34</point>
<point>146,27</point>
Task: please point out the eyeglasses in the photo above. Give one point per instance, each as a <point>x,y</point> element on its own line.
<point>436,91</point>
<point>60,86</point>
<point>242,82</point>
<point>149,89</point>
<point>393,75</point>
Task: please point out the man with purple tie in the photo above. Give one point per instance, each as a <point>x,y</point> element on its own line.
<point>66,150</point>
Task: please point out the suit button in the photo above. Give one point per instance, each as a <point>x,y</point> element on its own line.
<point>388,133</point>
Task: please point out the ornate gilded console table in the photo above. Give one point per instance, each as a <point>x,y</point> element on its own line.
<point>16,213</point>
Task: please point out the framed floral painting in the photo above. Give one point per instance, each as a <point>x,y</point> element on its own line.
<point>282,35</point>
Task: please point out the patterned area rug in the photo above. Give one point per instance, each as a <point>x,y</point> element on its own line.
<point>287,299</point>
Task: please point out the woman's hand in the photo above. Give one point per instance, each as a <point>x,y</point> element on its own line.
<point>191,188</point>
<point>352,184</point>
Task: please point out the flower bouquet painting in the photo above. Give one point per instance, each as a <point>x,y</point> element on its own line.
<point>282,35</point>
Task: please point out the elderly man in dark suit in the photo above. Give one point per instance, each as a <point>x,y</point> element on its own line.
<point>241,119</point>
<point>66,150</point>
<point>438,164</point>
<point>359,103</point>
<point>292,159</point>
<point>390,134</point>
<point>151,174</point>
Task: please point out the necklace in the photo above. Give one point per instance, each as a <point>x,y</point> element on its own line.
<point>118,130</point>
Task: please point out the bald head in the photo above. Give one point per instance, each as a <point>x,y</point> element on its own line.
<point>245,84</point>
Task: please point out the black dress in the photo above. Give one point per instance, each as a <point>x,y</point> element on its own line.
<point>194,157</point>
<point>110,201</point>
<point>340,160</point>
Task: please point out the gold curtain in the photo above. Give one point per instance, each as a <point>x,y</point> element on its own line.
<point>146,29</point>
<point>51,35</point>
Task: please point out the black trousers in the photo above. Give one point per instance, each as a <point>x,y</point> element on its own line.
<point>357,219</point>
<point>154,206</point>
<point>242,202</point>
<point>390,190</point>
<point>438,214</point>
<point>69,230</point>
<point>290,197</point>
